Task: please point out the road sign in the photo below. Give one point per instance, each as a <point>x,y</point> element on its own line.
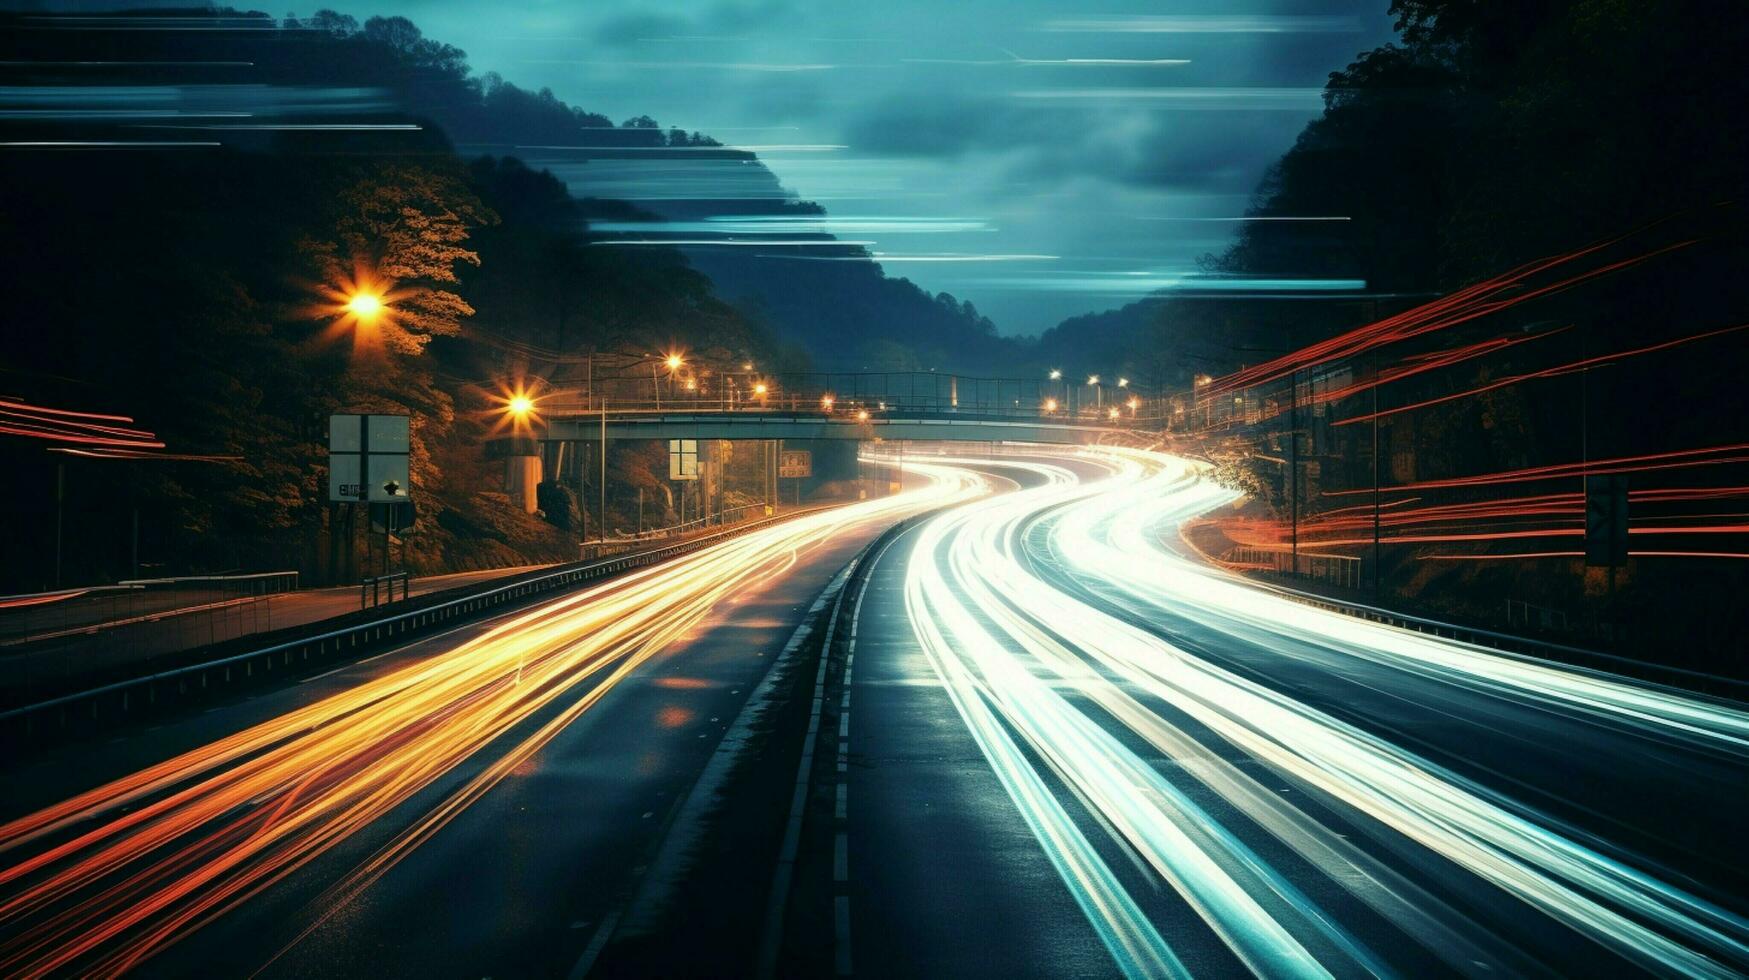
<point>795,464</point>
<point>1606,521</point>
<point>367,458</point>
<point>683,459</point>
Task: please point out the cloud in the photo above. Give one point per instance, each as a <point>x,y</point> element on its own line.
<point>1134,146</point>
<point>628,29</point>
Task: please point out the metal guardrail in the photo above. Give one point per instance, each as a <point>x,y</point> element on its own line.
<point>30,721</point>
<point>1522,646</point>
<point>371,591</point>
<point>254,583</point>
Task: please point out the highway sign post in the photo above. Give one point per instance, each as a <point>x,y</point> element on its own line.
<point>683,459</point>
<point>367,458</point>
<point>797,465</point>
<point>368,464</point>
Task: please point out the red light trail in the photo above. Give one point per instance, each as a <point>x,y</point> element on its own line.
<point>1482,299</point>
<point>1580,365</point>
<point>1675,459</point>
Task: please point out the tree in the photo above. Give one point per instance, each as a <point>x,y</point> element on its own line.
<point>400,230</point>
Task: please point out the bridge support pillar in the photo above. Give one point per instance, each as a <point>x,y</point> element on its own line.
<point>522,475</point>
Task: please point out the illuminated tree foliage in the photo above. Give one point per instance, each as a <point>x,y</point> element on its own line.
<point>405,228</point>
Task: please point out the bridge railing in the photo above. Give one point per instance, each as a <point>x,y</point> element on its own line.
<point>884,393</point>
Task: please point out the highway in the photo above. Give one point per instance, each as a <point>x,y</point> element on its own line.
<point>479,801</point>
<point>1070,747</point>
<point>1074,749</point>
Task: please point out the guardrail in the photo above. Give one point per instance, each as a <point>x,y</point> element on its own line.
<point>246,583</point>
<point>123,698</point>
<point>46,615</point>
<point>371,590</point>
<point>1524,646</point>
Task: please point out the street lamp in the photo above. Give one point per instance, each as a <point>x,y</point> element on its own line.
<point>1123,382</point>
<point>1113,414</point>
<point>1134,404</point>
<point>1050,405</point>
<point>674,362</point>
<point>826,402</point>
<point>365,306</point>
<point>862,415</point>
<point>519,406</point>
<point>1056,374</point>
<point>1098,392</point>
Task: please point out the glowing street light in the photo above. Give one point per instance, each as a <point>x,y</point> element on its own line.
<point>826,402</point>
<point>1093,379</point>
<point>1113,414</point>
<point>1050,405</point>
<point>1134,404</point>
<point>862,415</point>
<point>759,389</point>
<point>519,406</point>
<point>365,306</point>
<point>1056,374</point>
<point>1123,382</point>
<point>674,361</point>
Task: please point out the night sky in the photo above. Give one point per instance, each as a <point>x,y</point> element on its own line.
<point>1047,158</point>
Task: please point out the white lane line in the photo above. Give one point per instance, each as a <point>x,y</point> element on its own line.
<point>840,811</point>
<point>596,945</point>
<point>771,936</point>
<point>669,866</point>
<point>841,936</point>
<point>840,857</point>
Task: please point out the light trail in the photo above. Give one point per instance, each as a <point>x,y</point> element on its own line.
<point>99,882</point>
<point>1028,609</point>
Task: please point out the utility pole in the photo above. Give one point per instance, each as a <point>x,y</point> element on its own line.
<point>60,498</point>
<point>604,472</point>
<point>1377,565</point>
<point>1293,456</point>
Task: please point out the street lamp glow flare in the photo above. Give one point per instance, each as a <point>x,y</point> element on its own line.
<point>365,306</point>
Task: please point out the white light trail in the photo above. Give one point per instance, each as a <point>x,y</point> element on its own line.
<point>1020,653</point>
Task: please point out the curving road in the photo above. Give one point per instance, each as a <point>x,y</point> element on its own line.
<point>1076,750</point>
<point>1069,748</point>
<point>478,801</point>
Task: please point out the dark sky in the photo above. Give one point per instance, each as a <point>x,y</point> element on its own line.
<point>1039,158</point>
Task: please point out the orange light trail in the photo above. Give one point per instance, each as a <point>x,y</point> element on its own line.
<point>103,880</point>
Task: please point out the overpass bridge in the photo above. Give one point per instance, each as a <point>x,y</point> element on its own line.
<point>917,426</point>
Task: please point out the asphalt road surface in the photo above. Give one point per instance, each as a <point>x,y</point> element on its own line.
<point>1075,750</point>
<point>479,803</point>
<point>1067,747</point>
